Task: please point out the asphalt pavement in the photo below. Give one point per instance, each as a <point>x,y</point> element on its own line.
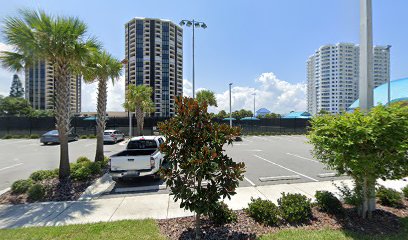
<point>269,160</point>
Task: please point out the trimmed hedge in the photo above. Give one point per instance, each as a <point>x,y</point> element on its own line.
<point>36,192</point>
<point>263,211</point>
<point>295,208</point>
<point>41,175</point>
<point>329,203</point>
<point>221,214</point>
<point>21,186</point>
<point>389,197</point>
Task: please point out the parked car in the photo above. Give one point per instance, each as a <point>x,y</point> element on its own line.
<point>113,136</point>
<point>53,137</point>
<point>142,157</point>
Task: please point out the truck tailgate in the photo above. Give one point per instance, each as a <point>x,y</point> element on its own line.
<point>131,160</point>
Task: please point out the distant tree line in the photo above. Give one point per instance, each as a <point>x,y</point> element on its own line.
<point>238,114</point>
<point>20,107</point>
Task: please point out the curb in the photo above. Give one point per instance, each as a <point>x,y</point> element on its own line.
<point>102,185</point>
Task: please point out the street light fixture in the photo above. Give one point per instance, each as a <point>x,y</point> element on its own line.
<point>194,24</point>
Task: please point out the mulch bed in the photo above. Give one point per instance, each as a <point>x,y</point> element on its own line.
<point>385,220</point>
<point>55,191</point>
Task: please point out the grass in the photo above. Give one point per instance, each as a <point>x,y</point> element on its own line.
<point>148,229</point>
<point>140,229</point>
<point>333,235</point>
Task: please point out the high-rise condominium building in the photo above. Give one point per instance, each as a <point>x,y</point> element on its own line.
<point>39,88</point>
<point>333,75</point>
<point>154,54</point>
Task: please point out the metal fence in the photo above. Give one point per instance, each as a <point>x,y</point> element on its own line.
<point>29,126</point>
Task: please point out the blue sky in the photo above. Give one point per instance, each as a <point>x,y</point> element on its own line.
<point>244,41</point>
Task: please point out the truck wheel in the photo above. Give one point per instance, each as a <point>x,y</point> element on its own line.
<point>156,176</point>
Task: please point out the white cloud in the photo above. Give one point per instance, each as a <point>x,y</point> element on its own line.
<point>272,93</point>
<point>116,96</point>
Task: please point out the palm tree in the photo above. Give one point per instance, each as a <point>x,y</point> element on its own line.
<point>62,42</point>
<point>101,67</point>
<point>139,100</point>
<point>207,96</point>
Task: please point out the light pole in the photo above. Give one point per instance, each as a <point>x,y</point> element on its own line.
<point>125,63</point>
<point>194,24</point>
<point>254,103</point>
<point>230,105</point>
<point>388,48</point>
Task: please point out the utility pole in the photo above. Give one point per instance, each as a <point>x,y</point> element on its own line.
<point>254,103</point>
<point>366,83</point>
<point>230,115</point>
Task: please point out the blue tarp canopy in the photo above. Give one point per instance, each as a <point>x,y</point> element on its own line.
<point>227,119</point>
<point>93,118</point>
<point>249,119</point>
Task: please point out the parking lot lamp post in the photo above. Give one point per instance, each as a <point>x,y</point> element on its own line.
<point>254,103</point>
<point>125,63</point>
<point>230,115</point>
<point>388,48</point>
<point>193,24</point>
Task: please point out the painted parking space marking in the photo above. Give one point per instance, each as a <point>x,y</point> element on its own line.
<point>266,160</point>
<point>279,178</point>
<point>295,155</point>
<point>15,165</point>
<point>250,182</point>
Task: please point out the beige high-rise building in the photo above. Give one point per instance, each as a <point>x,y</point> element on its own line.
<point>154,54</point>
<point>39,85</point>
<point>333,74</point>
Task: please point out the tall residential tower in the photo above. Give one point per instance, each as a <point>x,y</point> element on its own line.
<point>39,87</point>
<point>154,54</point>
<point>332,76</point>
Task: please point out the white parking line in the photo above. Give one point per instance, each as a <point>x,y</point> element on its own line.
<point>291,154</point>
<point>250,182</point>
<point>15,165</point>
<point>266,160</point>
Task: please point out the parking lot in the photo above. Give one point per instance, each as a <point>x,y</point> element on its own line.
<point>268,160</point>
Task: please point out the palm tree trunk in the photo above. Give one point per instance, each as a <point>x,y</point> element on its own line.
<point>62,115</point>
<point>100,119</point>
<point>139,120</point>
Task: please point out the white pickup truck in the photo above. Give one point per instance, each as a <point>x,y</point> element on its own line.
<point>142,157</point>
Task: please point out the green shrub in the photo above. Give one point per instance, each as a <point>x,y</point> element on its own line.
<point>295,208</point>
<point>36,192</point>
<point>349,195</point>
<point>17,136</point>
<point>80,172</point>
<point>34,136</point>
<point>82,159</point>
<point>221,214</point>
<point>7,136</point>
<point>405,191</point>
<point>263,211</point>
<point>389,197</point>
<point>327,202</point>
<point>21,186</point>
<point>43,175</point>
<point>84,169</point>
<point>91,136</point>
<point>83,137</point>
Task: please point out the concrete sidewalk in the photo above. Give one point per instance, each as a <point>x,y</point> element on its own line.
<point>158,206</point>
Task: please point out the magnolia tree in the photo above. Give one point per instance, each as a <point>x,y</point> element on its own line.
<point>364,146</point>
<point>199,173</point>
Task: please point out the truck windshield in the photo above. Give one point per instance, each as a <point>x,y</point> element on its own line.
<point>142,144</point>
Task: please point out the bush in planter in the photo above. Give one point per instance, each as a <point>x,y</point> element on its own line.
<point>83,137</point>
<point>82,159</point>
<point>221,214</point>
<point>21,186</point>
<point>8,136</point>
<point>327,202</point>
<point>34,136</point>
<point>389,197</point>
<point>41,175</point>
<point>84,169</point>
<point>263,211</point>
<point>405,191</point>
<point>36,192</point>
<point>295,208</point>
